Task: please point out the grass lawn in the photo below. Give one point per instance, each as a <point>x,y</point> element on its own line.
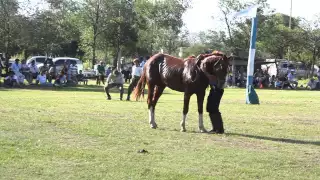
<point>76,133</point>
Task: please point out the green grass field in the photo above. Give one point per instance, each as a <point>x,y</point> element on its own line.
<point>75,133</point>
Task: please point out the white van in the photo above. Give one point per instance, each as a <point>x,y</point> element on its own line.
<point>39,60</point>
<point>59,62</point>
<point>282,66</point>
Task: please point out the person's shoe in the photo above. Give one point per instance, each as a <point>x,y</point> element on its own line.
<point>109,97</point>
<point>217,123</point>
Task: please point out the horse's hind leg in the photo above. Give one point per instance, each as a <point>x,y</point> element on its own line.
<point>185,111</point>
<point>200,98</point>
<point>151,90</point>
<point>158,90</point>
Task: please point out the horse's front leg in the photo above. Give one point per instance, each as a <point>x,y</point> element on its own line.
<point>200,98</point>
<point>151,106</point>
<point>185,111</point>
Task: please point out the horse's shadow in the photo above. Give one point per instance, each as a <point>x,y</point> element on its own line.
<point>284,140</point>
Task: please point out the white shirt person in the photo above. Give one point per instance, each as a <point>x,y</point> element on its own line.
<point>136,73</point>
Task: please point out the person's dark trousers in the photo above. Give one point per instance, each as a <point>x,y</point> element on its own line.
<point>98,80</point>
<point>213,103</point>
<point>101,77</point>
<point>112,85</point>
<point>132,85</point>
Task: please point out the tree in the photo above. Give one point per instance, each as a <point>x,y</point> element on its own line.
<point>312,40</point>
<point>8,12</point>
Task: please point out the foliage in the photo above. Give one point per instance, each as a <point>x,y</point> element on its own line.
<point>92,29</point>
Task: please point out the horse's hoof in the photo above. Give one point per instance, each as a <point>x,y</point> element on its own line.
<point>203,130</point>
<point>183,130</point>
<point>153,126</point>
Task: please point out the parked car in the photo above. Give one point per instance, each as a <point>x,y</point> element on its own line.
<point>39,60</point>
<point>89,74</point>
<point>282,66</point>
<point>59,62</point>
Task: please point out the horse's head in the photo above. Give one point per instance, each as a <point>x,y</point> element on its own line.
<point>215,66</point>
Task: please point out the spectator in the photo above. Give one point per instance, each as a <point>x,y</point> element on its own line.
<point>272,80</point>
<point>108,71</point>
<point>115,79</point>
<point>60,79</point>
<point>136,73</point>
<point>33,70</point>
<point>11,80</point>
<point>143,61</point>
<point>52,73</point>
<point>126,74</point>
<point>15,67</point>
<point>318,74</point>
<point>312,84</point>
<point>291,79</point>
<point>278,84</point>
<point>101,72</point>
<point>81,78</point>
<point>25,70</point>
<point>42,79</point>
<point>285,83</point>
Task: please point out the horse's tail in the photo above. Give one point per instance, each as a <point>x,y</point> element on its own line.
<point>139,90</point>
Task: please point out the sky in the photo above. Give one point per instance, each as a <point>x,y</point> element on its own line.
<point>199,17</point>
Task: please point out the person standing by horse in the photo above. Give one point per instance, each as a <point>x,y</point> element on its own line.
<point>213,101</point>
<point>136,73</point>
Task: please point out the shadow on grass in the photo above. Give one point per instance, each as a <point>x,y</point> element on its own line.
<point>81,88</point>
<point>284,140</point>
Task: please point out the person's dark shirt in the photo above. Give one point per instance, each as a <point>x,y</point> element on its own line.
<point>283,78</point>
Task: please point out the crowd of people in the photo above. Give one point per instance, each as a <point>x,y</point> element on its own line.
<point>47,75</point>
<point>262,79</point>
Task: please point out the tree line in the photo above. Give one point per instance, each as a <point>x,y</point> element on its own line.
<point>275,39</point>
<point>92,29</point>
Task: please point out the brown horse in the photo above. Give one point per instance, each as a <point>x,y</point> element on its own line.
<point>188,76</point>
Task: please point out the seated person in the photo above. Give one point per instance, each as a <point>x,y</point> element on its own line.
<point>61,79</point>
<point>272,81</point>
<point>285,82</point>
<point>291,79</point>
<point>312,84</point>
<point>278,84</point>
<point>11,80</point>
<point>52,73</point>
<point>114,79</point>
<point>42,79</point>
<point>81,78</point>
<point>25,70</point>
<point>33,70</point>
